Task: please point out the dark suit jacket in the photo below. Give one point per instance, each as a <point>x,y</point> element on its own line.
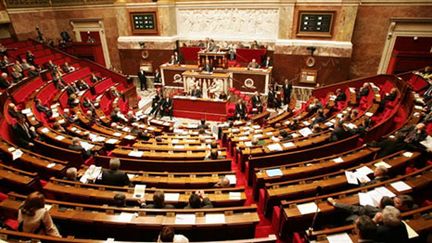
<point>3,83</point>
<point>167,104</point>
<point>395,234</point>
<point>141,76</point>
<point>341,97</point>
<point>240,110</point>
<point>196,93</point>
<point>22,135</point>
<point>157,78</point>
<point>256,101</point>
<point>287,89</point>
<point>206,203</point>
<point>267,64</point>
<point>114,178</point>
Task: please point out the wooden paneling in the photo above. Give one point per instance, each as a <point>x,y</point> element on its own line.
<point>131,59</point>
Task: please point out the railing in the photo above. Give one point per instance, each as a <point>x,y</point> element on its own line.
<point>52,3</point>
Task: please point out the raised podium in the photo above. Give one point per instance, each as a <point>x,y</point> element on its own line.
<point>217,59</point>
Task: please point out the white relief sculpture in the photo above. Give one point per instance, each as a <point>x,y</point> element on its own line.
<point>216,87</point>
<point>235,22</point>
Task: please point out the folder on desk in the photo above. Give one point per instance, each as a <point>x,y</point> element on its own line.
<point>400,186</point>
<point>274,172</point>
<point>339,238</point>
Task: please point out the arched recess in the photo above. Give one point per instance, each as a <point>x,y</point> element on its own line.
<point>403,27</point>
<point>80,26</point>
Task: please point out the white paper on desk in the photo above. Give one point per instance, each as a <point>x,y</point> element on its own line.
<point>16,154</point>
<point>86,146</point>
<point>338,160</point>
<point>258,131</point>
<point>11,149</point>
<point>427,143</point>
<point>350,125</point>
<point>126,217</point>
<point>112,141</point>
<point>139,191</point>
<point>126,129</point>
<point>382,163</point>
<point>351,178</point>
<point>179,146</point>
<point>369,114</point>
<point>129,137</point>
<point>339,238</point>
<point>151,128</point>
<point>375,196</point>
<point>329,124</point>
<point>243,138</point>
<point>215,218</point>
<point>408,154</point>
<point>26,111</point>
<point>117,134</point>
<point>131,176</point>
<point>365,199</point>
<point>362,177</point>
<point>275,139</point>
<point>384,191</point>
<point>59,137</point>
<point>275,147</point>
<point>235,130</point>
<point>364,170</point>
<point>172,197</point>
<point>288,145</point>
<point>136,153</point>
<point>50,165</point>
<point>307,208</point>
<point>235,195</point>
<point>232,179</point>
<point>184,218</point>
<point>274,172</point>
<point>91,174</point>
<point>256,127</point>
<point>295,135</point>
<point>411,232</point>
<point>175,141</point>
<point>305,131</point>
<point>306,123</point>
<point>248,144</point>
<point>258,136</point>
<point>400,186</point>
<point>45,130</point>
<point>339,115</point>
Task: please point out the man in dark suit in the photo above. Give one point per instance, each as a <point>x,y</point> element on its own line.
<point>41,108</point>
<point>339,132</point>
<point>364,91</point>
<point>267,62</point>
<point>113,176</point>
<point>156,104</point>
<point>76,146</point>
<point>23,133</point>
<point>340,95</point>
<point>256,102</point>
<point>366,228</point>
<point>167,107</point>
<point>287,90</point>
<point>158,201</point>
<point>157,77</point>
<point>4,83</point>
<point>199,200</point>
<point>143,79</point>
<point>240,111</point>
<point>390,228</point>
<point>272,100</point>
<point>178,59</point>
<point>207,66</point>
<point>195,92</point>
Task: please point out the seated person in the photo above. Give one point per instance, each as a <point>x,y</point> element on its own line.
<point>44,109</point>
<point>117,116</point>
<point>253,64</point>
<point>81,85</point>
<point>94,78</point>
<point>390,227</point>
<point>25,65</point>
<point>416,134</point>
<point>13,111</point>
<point>208,67</point>
<point>23,133</point>
<point>195,92</point>
<point>380,174</point>
<point>388,97</point>
<point>114,93</point>
<point>57,127</point>
<point>158,201</point>
<point>67,68</point>
<point>4,83</point>
<point>320,117</point>
<point>223,182</point>
<point>119,200</point>
<point>293,124</point>
<point>314,106</point>
<point>71,174</point>
<point>339,132</point>
<point>167,107</point>
<point>76,146</point>
<point>33,72</point>
<point>199,200</point>
<point>256,102</point>
<point>213,154</point>
<point>240,110</point>
<point>366,229</point>
<point>16,75</point>
<point>223,96</point>
<point>87,103</point>
<point>73,101</point>
<point>363,92</point>
<point>58,82</point>
<point>71,89</point>
<point>34,218</point>
<point>167,234</point>
<point>30,57</point>
<point>113,176</point>
<point>340,95</point>
<point>68,116</point>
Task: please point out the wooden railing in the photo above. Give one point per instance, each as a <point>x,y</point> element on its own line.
<point>52,3</point>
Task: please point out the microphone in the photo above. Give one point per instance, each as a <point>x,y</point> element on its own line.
<point>318,191</point>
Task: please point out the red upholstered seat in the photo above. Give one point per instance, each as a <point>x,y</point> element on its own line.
<point>276,218</point>
<point>297,238</point>
<point>261,199</point>
<point>43,183</point>
<point>11,224</point>
<point>3,197</point>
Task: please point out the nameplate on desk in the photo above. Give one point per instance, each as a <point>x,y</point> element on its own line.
<point>234,195</point>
